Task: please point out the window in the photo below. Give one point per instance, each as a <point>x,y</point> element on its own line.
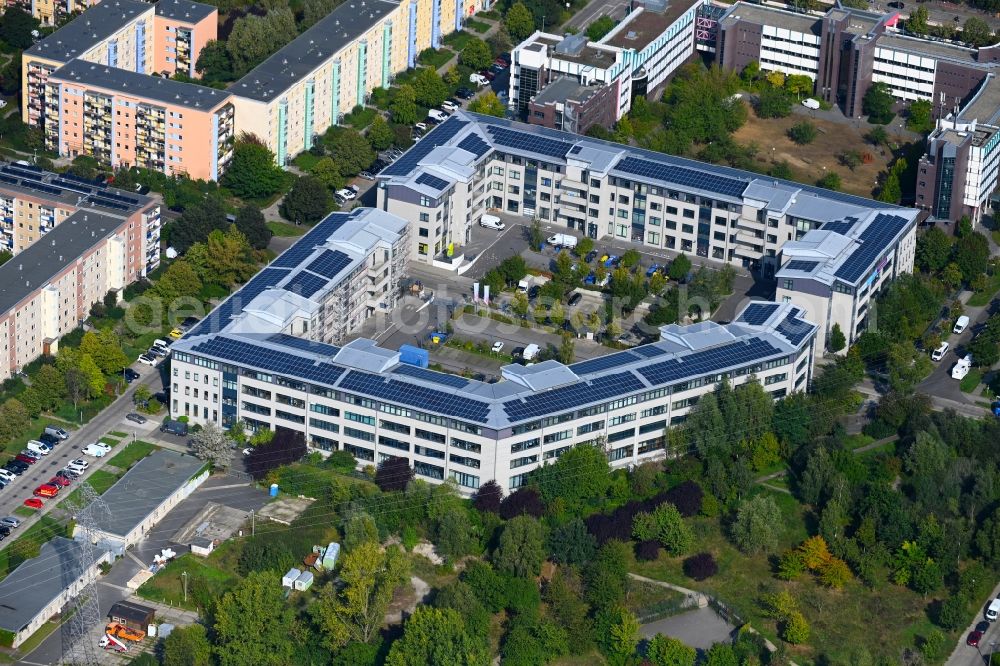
<point>359,418</point>
<point>788,284</point>
<point>425,217</point>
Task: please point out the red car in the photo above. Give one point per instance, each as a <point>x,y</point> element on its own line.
<point>46,490</point>
<point>500,62</point>
<point>487,74</point>
<point>61,481</point>
<point>974,638</point>
<point>34,503</point>
<point>27,460</point>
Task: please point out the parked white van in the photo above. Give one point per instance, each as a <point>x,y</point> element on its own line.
<point>492,222</point>
<point>939,353</point>
<point>439,116</point>
<point>961,324</point>
<point>38,447</point>
<point>810,103</point>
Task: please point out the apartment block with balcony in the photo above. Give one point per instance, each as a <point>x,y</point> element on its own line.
<point>50,12</point>
<point>124,118</point>
<point>118,34</point>
<point>182,30</point>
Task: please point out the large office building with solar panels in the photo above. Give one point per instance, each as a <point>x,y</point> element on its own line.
<point>264,359</point>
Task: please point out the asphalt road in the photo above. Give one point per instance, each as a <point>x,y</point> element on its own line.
<point>939,384</point>
<point>965,655</point>
<point>111,418</point>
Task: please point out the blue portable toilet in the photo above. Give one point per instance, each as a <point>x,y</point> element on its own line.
<point>274,490</point>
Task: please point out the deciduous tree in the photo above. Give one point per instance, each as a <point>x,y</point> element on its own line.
<point>211,444</point>
<point>429,88</point>
<point>253,173</point>
<point>250,222</point>
<point>755,529</point>
<point>404,105</point>
<point>253,623</point>
<point>393,474</point>
<point>476,54</point>
<point>521,548</point>
<point>666,651</point>
<point>488,104</point>
<point>877,103</point>
<point>437,636</point>
<point>380,135</point>
<point>519,21</point>
<point>187,646</point>
<point>307,202</point>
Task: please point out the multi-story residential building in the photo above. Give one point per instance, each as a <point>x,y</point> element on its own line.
<point>125,118</point>
<point>958,173</point>
<point>50,12</point>
<point>835,272</point>
<point>49,287</point>
<point>846,50</point>
<point>118,33</point>
<point>33,202</point>
<point>182,30</point>
<point>600,79</point>
<point>307,86</point>
<point>472,163</point>
<point>364,399</point>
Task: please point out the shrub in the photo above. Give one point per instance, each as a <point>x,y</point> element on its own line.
<point>700,566</point>
<point>488,498</point>
<point>802,133</point>
<point>648,550</point>
<point>523,501</point>
<point>687,497</point>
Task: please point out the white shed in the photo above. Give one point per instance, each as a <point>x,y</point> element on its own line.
<point>288,580</point>
<point>304,581</point>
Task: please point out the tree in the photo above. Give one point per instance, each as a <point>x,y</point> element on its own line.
<point>265,553</point>
<point>393,474</point>
<point>476,54</point>
<point>666,525</point>
<point>977,32</point>
<point>830,181</point>
<point>380,135</point>
<point>918,116</point>
<point>359,528</point>
<point>250,222</point>
<point>877,103</point>
<point>211,444</point>
<point>972,252</point>
<point>180,279</point>
<point>803,132</point>
<point>187,646</point>
<point>50,385</point>
<point>404,105</point>
<point>253,622</point>
<point>307,202</point>
<point>214,63</point>
<point>798,84</point>
<point>837,340</point>
<point>523,501</point>
<point>566,350</point>
<point>488,104</point>
<point>488,497</point>
<point>16,26</point>
<point>287,446</point>
<point>429,88</point>
<point>370,576</point>
<point>500,41</point>
<point>349,149</point>
<point>254,38</point>
<point>454,534</point>
<point>679,268</point>
<point>519,21</point>
<point>600,27</point>
<point>521,548</point>
<point>917,23</point>
<point>755,529</point>
<point>774,103</point>
<point>437,636</point>
<point>578,476</point>
<point>795,629</point>
<point>14,419</point>
<point>933,250</point>
<point>700,566</point>
<point>877,136</point>
<point>252,173</point>
<point>617,632</point>
<point>666,651</point>
<point>224,258</point>
<point>197,222</point>
<point>850,159</point>
<point>571,543</point>
<point>327,172</point>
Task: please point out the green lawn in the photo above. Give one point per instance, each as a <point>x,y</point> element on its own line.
<point>100,481</point>
<point>478,26</point>
<point>25,511</point>
<point>205,582</point>
<point>132,453</point>
<point>287,230</point>
<point>110,441</point>
<point>982,298</point>
<point>36,638</point>
<point>971,381</point>
<point>840,620</point>
<point>118,434</point>
<point>458,40</point>
<point>305,161</point>
<point>435,58</point>
<point>857,441</point>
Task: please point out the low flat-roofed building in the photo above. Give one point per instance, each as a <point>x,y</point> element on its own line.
<point>567,105</point>
<point>121,117</point>
<point>39,587</point>
<point>146,493</point>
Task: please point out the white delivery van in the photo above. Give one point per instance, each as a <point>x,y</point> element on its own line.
<point>961,324</point>
<point>962,368</point>
<point>810,103</point>
<point>562,240</point>
<point>993,612</point>
<point>439,116</point>
<point>530,352</point>
<point>492,222</point>
<point>524,285</point>
<point>939,353</point>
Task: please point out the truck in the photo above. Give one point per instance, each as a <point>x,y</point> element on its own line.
<point>562,240</point>
<point>962,368</point>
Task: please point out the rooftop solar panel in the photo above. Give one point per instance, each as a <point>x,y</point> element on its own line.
<point>329,263</point>
<point>72,185</point>
<point>453,381</point>
<point>8,179</point>
<point>438,136</point>
<point>708,361</point>
<point>528,142</point>
<point>107,203</point>
<point>40,187</point>
<point>800,265</point>
<point>756,314</point>
<point>648,351</point>
<point>475,145</point>
<point>418,397</point>
<point>295,255</point>
<point>795,330</point>
<point>842,227</point>
<point>571,396</point>
<point>312,346</point>
<point>682,176</point>
<point>279,362</point>
<point>306,284</point>
<point>603,362</point>
<point>438,184</point>
<point>875,240</point>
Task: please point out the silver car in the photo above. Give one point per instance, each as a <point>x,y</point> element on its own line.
<point>10,521</point>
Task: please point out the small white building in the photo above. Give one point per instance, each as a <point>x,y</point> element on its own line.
<point>288,580</point>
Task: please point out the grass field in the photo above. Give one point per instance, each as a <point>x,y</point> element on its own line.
<point>100,481</point>
<point>205,581</point>
<point>25,512</point>
<point>971,381</point>
<point>287,230</point>
<point>435,58</point>
<point>981,298</point>
<point>131,454</point>
<point>478,26</point>
<point>808,161</point>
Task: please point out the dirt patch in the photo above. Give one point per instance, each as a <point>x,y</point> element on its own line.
<point>406,599</point>
<point>808,161</point>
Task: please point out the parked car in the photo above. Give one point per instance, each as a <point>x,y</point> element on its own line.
<point>449,106</point>
<point>60,481</point>
<point>11,522</point>
<point>590,256</point>
<point>439,116</point>
<point>651,271</point>
<point>34,503</point>
<point>78,464</point>
<point>56,431</point>
<point>135,418</point>
<point>487,74</point>
<point>4,532</point>
<point>478,79</point>
<point>176,334</point>
<point>38,447</point>
<point>497,347</point>
<point>501,63</point>
<point>6,475</point>
<point>464,93</point>
<point>495,69</point>
<point>939,353</point>
<point>178,428</point>
<point>69,474</point>
<point>346,194</point>
<point>28,460</point>
<point>146,359</point>
<point>155,352</point>
<point>16,467</point>
<point>367,175</point>
<point>533,291</point>
<point>974,638</point>
<point>188,323</point>
<point>97,449</point>
<point>248,450</point>
<point>46,490</point>
<point>574,298</point>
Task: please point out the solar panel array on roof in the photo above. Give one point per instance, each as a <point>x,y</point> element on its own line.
<point>875,240</point>
<point>4,178</point>
<point>571,396</point>
<point>453,381</point>
<point>712,360</point>
<point>418,397</point>
<point>756,314</point>
<point>648,351</point>
<point>439,184</point>
<point>842,227</point>
<point>603,362</point>
<point>294,255</point>
<point>475,145</point>
<point>800,265</point>
<point>438,136</point>
<point>283,363</point>
<point>305,345</point>
<point>306,284</point>
<point>528,142</point>
<point>795,330</point>
<point>329,263</point>
<point>682,176</point>
<point>234,305</point>
<point>575,149</point>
